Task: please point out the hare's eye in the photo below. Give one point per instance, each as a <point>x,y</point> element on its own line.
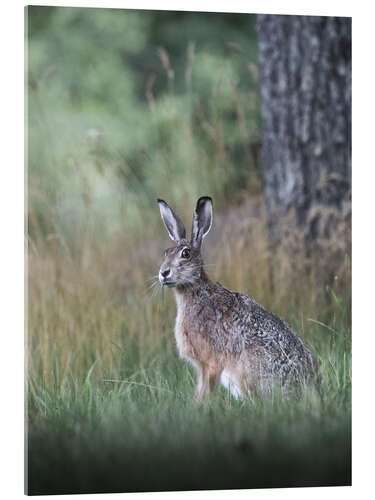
<point>185,254</point>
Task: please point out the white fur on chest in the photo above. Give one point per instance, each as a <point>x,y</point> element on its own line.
<point>178,328</point>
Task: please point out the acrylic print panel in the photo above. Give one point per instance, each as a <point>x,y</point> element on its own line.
<point>240,123</point>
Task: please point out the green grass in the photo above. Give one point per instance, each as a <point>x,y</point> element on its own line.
<point>141,430</point>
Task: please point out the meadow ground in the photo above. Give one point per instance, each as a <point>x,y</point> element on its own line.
<point>110,406</point>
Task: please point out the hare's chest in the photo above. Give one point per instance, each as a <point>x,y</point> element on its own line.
<point>190,342</point>
<point>183,335</point>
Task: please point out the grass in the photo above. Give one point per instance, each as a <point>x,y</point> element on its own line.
<point>110,405</point>
<point>144,432</point>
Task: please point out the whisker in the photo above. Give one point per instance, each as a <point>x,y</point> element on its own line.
<point>156,276</point>
<point>153,284</point>
<point>150,290</point>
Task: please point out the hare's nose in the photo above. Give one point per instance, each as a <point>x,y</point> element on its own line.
<point>165,273</point>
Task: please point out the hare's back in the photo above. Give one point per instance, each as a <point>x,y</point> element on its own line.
<point>246,326</point>
<point>281,346</point>
<point>242,316</point>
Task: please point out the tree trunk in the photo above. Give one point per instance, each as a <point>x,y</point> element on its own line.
<point>305,76</point>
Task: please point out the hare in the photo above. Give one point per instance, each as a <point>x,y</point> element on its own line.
<point>226,335</point>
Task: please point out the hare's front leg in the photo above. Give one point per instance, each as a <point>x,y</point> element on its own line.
<point>207,377</point>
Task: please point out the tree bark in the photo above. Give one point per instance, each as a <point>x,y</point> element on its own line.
<point>305,77</point>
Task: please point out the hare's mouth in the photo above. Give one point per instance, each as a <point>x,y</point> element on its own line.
<point>169,283</point>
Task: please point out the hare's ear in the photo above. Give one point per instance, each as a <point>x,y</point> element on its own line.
<point>172,221</point>
<point>202,221</point>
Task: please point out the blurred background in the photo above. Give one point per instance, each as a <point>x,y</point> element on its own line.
<point>126,106</point>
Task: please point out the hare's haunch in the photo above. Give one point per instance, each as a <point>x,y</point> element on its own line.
<point>226,335</point>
